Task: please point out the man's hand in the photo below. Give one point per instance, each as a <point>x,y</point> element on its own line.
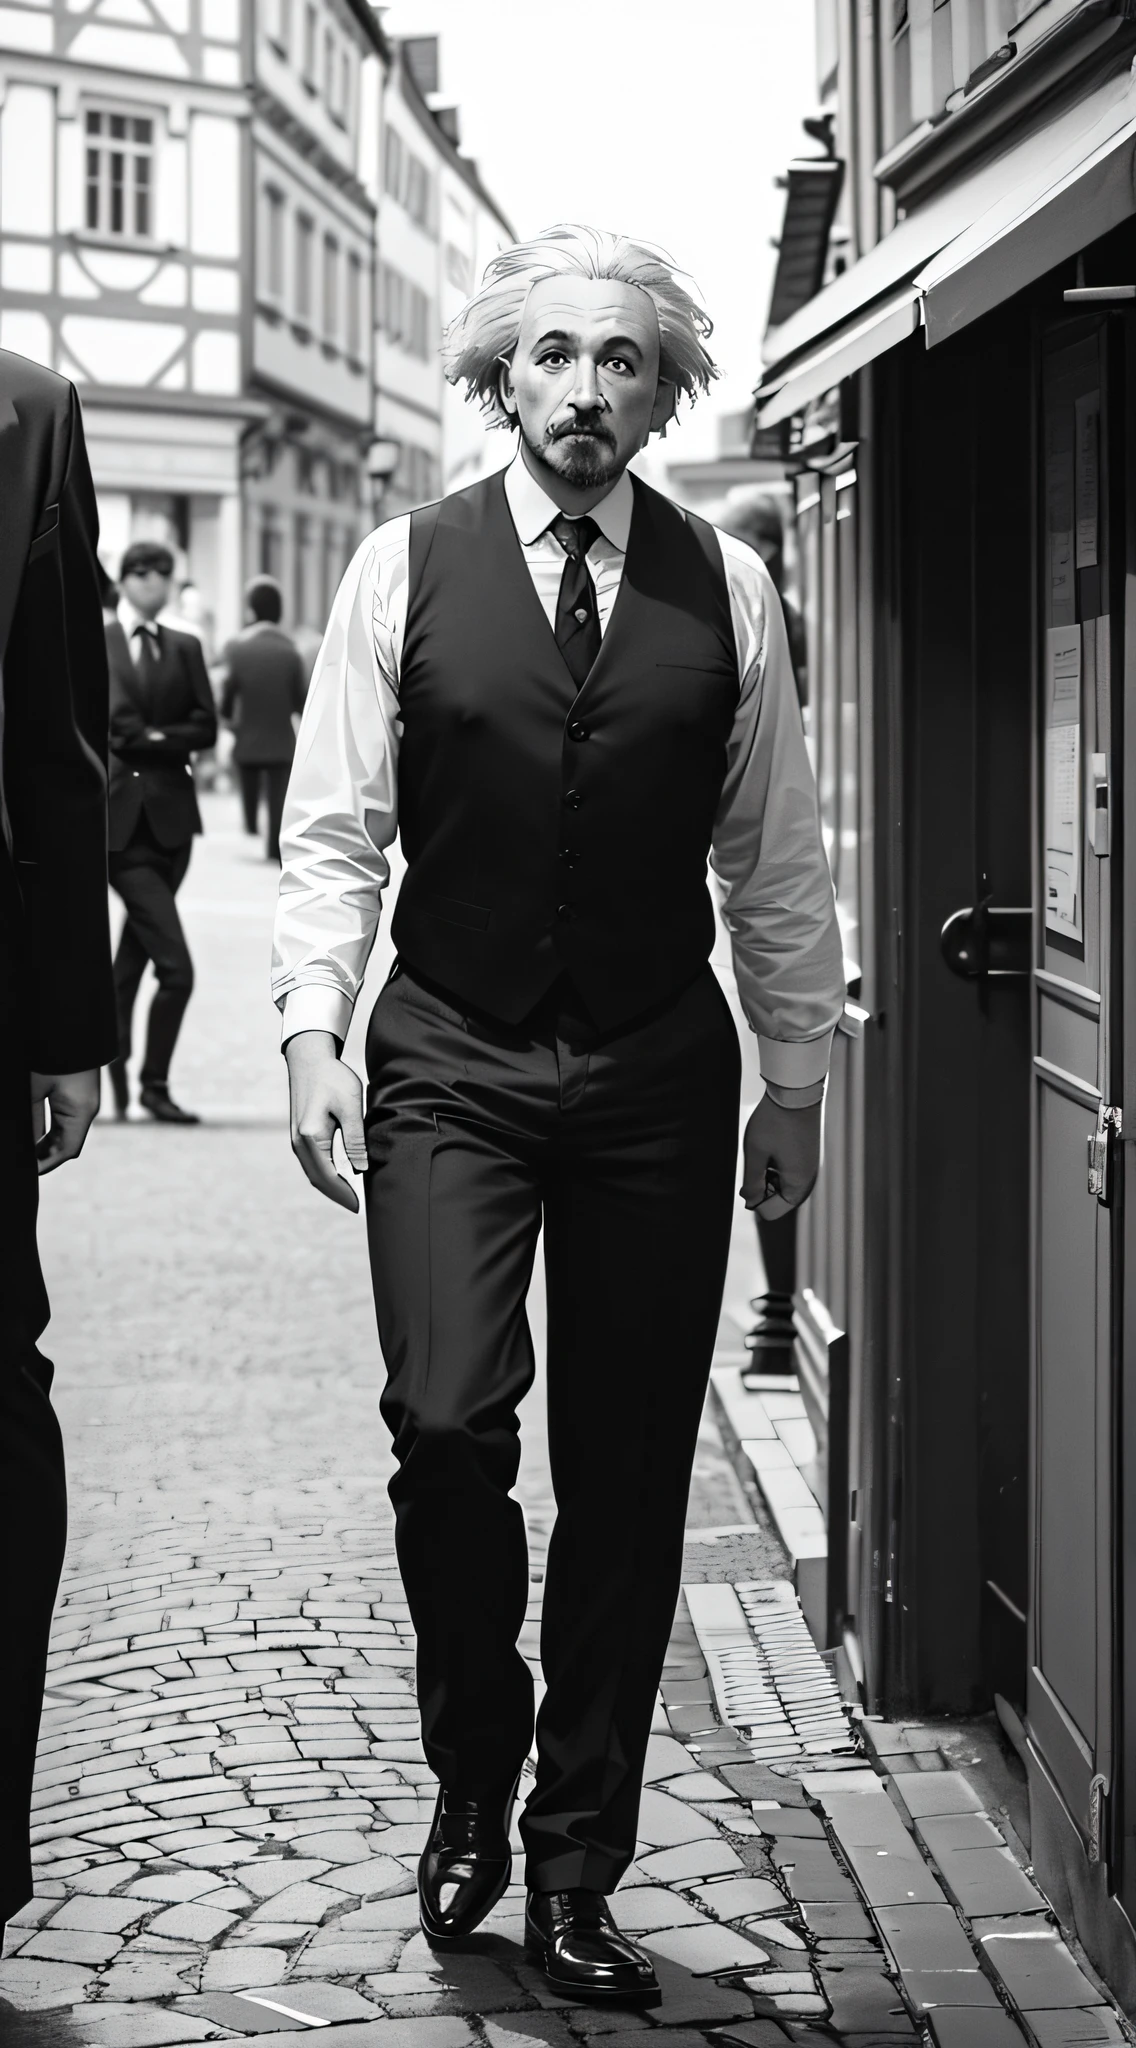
<point>326,1096</point>
<point>74,1100</point>
<point>782,1158</point>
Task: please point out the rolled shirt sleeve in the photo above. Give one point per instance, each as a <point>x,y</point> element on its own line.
<point>768,855</point>
<point>341,813</point>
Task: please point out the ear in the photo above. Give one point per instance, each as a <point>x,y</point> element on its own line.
<point>505,390</point>
<point>665,407</point>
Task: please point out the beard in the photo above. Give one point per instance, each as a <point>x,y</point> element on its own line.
<point>585,457</point>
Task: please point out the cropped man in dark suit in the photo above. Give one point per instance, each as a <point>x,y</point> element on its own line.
<point>56,1000</point>
<point>263,689</point>
<point>161,712</point>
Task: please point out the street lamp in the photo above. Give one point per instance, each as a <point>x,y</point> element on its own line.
<point>382,461</point>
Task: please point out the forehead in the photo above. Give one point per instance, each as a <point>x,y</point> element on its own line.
<point>590,309</point>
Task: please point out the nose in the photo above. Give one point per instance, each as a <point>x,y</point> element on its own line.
<point>585,389</point>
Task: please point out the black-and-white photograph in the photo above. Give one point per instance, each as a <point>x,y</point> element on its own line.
<point>567,1020</point>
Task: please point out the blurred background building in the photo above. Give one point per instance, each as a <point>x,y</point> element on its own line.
<point>239,229</point>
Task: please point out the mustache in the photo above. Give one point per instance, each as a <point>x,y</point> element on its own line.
<point>591,431</point>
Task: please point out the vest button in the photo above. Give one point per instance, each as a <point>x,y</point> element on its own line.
<point>573,799</point>
<point>577,730</point>
<point>564,911</point>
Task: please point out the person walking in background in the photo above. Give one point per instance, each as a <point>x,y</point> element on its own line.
<point>263,686</point>
<point>161,712</point>
<point>57,1017</point>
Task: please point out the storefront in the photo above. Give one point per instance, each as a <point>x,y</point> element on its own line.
<point>960,409</point>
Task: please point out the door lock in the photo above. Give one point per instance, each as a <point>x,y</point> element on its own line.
<point>1101,1144</point>
<point>1098,829</point>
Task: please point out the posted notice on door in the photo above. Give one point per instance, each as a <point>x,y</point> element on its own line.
<point>1063,813</point>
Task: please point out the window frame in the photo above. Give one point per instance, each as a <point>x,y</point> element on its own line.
<point>101,143</point>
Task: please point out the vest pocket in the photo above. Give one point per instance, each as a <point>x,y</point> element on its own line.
<point>450,911</point>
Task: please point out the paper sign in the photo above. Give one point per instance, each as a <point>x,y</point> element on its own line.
<point>1063,804</point>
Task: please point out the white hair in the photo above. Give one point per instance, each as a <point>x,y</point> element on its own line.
<point>486,330</point>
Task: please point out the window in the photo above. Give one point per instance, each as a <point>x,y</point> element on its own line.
<point>311,31</point>
<point>417,191</point>
<point>330,287</point>
<point>281,33</point>
<point>418,324</point>
<point>304,233</point>
<point>392,163</point>
<point>345,85</point>
<point>354,306</point>
<point>273,242</point>
<point>417,475</point>
<point>120,173</point>
<point>329,70</point>
<point>391,294</point>
<point>459,270</point>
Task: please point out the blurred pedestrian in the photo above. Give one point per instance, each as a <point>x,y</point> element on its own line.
<point>57,1020</point>
<point>755,515</point>
<point>263,686</point>
<point>564,695</point>
<point>161,713</point>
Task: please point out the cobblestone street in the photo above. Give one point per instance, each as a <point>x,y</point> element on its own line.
<point>232,1795</point>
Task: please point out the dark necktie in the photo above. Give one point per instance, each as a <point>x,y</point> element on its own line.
<point>577,618</point>
<point>147,639</point>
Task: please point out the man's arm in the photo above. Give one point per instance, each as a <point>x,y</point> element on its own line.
<point>55,678</point>
<point>340,817</point>
<point>779,907</point>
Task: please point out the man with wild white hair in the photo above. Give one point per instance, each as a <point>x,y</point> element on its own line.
<point>564,694</point>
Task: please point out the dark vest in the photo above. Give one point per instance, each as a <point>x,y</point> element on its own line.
<point>548,829</point>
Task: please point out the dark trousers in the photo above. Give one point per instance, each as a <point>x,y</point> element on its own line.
<point>626,1148</point>
<point>33,1490</point>
<point>147,877</point>
<point>273,776</point>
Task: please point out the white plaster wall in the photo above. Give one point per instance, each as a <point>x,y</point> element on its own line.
<point>27,160</point>
<point>215,191</point>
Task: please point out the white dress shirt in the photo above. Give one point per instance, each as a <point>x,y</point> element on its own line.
<point>342,809</point>
<point>131,620</point>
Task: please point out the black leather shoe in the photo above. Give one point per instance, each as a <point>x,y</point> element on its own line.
<point>466,1865</point>
<point>582,1952</point>
<point>120,1087</point>
<point>159,1103</point>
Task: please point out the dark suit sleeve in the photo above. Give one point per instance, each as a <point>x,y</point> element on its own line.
<point>56,673</point>
<point>128,727</point>
<point>299,685</point>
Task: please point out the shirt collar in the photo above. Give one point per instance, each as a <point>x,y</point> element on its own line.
<point>533,510</point>
<point>129,616</point>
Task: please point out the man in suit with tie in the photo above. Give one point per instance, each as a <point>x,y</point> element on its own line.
<point>264,683</point>
<point>56,1000</point>
<point>161,712</point>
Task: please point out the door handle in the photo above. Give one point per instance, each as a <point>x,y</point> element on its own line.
<point>988,939</point>
<point>1102,1152</point>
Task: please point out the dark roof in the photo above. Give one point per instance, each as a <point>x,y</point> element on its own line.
<point>463,165</point>
<point>372,27</point>
<point>812,191</point>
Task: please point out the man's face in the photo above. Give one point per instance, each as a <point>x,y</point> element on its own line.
<point>584,381</point>
<point>147,590</point>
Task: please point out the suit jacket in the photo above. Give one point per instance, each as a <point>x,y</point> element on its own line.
<point>54,930</point>
<point>266,682</point>
<point>148,777</point>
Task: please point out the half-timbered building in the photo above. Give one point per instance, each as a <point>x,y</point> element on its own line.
<point>187,229</point>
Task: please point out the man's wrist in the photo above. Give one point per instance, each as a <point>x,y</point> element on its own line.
<point>312,1045</point>
<point>795,1098</point>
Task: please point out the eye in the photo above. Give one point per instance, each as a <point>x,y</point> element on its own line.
<point>553,359</point>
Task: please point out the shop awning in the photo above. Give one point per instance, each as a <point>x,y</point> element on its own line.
<point>1063,199</point>
<point>967,249</point>
<point>839,355</point>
